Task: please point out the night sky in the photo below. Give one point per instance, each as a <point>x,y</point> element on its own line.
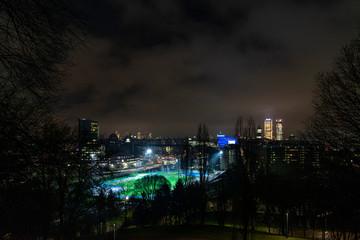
<point>164,66</point>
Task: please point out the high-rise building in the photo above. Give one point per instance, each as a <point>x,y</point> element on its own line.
<point>259,132</point>
<point>88,130</point>
<point>112,145</point>
<point>227,157</point>
<point>279,130</point>
<point>268,129</point>
<point>90,147</point>
<point>297,154</point>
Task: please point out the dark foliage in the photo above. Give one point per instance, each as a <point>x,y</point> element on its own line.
<point>43,186</point>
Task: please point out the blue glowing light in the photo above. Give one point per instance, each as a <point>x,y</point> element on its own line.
<point>225,140</point>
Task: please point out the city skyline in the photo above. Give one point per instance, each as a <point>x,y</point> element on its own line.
<point>168,66</point>
<point>271,131</point>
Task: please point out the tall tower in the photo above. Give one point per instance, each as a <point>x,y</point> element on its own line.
<point>259,132</point>
<point>89,144</point>
<point>88,130</point>
<point>279,130</point>
<point>268,129</point>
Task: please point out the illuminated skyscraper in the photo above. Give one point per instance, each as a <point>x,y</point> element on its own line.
<point>88,130</point>
<point>90,147</point>
<point>279,130</point>
<point>259,132</point>
<point>268,129</point>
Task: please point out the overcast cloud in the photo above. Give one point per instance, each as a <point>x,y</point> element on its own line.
<point>165,66</point>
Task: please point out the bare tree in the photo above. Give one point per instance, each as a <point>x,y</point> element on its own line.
<point>251,129</point>
<point>239,128</point>
<point>242,177</point>
<point>336,119</point>
<point>186,161</point>
<point>203,138</point>
<point>35,40</point>
<point>245,130</point>
<point>336,124</point>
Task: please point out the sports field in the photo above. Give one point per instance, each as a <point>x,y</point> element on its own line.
<point>124,185</point>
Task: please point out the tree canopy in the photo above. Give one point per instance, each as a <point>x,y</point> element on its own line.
<point>148,185</point>
<point>336,119</point>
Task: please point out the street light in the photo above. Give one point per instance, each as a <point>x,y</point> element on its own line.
<point>114,231</point>
<point>148,152</point>
<point>287,225</point>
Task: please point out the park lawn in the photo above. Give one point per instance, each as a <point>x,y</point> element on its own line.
<point>192,232</point>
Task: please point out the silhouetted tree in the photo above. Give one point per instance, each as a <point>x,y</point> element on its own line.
<point>336,119</point>
<point>193,202</point>
<point>177,206</point>
<point>36,38</point>
<point>245,130</point>
<point>149,185</point>
<point>186,161</point>
<point>161,205</point>
<point>336,124</point>
<point>142,214</point>
<point>58,186</point>
<point>219,195</point>
<point>70,179</point>
<point>154,206</point>
<point>242,176</point>
<point>203,138</point>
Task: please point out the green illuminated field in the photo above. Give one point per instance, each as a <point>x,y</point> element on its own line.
<point>124,185</point>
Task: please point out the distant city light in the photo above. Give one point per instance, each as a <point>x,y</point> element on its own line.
<point>221,152</point>
<point>148,151</point>
<point>225,140</point>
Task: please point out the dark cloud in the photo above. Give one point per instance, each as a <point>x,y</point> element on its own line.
<point>257,43</point>
<point>79,96</point>
<point>102,17</point>
<point>192,81</point>
<point>168,65</point>
<point>212,18</point>
<point>118,100</point>
<point>142,24</point>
